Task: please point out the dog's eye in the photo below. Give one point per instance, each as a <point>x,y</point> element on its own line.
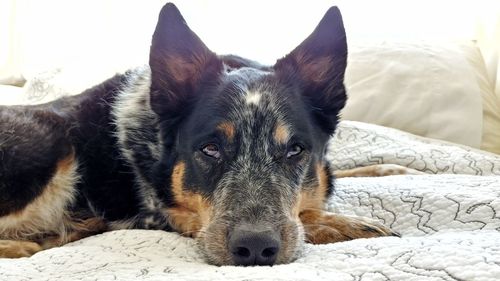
<point>294,150</point>
<point>211,150</point>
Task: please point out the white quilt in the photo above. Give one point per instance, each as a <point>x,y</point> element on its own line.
<point>450,225</point>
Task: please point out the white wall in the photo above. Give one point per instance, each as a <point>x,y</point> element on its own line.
<point>488,37</point>
<point>36,35</point>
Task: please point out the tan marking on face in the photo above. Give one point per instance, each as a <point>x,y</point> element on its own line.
<point>192,210</point>
<point>323,184</point>
<point>281,133</point>
<point>47,213</point>
<point>313,196</point>
<point>228,129</point>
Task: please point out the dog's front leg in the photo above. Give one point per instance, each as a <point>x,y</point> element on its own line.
<point>379,170</point>
<point>322,227</point>
<point>18,249</point>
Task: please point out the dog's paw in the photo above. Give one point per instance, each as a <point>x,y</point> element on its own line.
<point>392,169</point>
<point>322,227</point>
<point>379,170</point>
<point>18,249</point>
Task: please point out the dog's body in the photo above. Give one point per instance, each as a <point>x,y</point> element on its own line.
<point>214,147</point>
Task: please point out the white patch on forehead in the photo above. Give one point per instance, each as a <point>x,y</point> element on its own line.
<point>253,98</point>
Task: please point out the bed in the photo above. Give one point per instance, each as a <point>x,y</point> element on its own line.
<point>448,220</point>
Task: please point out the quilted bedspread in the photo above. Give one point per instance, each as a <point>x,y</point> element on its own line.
<point>449,221</point>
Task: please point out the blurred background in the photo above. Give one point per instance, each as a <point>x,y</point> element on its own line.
<point>38,35</point>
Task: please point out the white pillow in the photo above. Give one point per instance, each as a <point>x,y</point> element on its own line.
<point>72,79</point>
<point>428,89</point>
<point>491,102</point>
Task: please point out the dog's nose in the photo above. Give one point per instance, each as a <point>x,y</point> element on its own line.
<point>254,248</point>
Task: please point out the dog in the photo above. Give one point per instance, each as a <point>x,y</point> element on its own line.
<point>214,147</point>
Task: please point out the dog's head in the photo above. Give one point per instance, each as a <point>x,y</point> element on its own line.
<point>243,144</point>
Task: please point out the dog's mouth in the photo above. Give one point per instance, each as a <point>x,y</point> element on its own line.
<point>250,244</point>
<point>238,226</point>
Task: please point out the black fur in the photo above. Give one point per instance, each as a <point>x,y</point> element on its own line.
<point>31,143</point>
<point>128,139</point>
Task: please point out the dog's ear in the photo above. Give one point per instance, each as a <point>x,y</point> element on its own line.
<point>179,62</point>
<point>318,64</point>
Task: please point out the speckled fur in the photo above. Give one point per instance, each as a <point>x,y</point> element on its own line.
<point>137,145</point>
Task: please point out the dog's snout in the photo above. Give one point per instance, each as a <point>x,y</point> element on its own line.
<point>254,248</point>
